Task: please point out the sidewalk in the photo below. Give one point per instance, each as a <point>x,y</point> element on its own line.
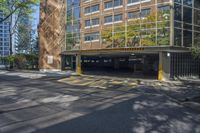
<point>36,74</point>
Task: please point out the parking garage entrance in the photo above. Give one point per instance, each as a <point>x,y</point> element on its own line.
<point>134,65</point>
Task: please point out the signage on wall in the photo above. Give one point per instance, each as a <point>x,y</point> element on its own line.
<point>50,59</point>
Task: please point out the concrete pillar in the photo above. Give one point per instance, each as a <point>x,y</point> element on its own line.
<point>164,66</point>
<point>78,64</point>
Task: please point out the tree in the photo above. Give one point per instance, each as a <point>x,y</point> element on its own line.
<point>24,35</point>
<point>13,10</point>
<point>10,7</point>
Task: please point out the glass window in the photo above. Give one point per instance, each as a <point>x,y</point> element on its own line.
<point>76,13</point>
<point>187,38</point>
<point>92,22</point>
<point>95,21</point>
<point>133,1</point>
<point>197,28</point>
<point>108,4</point>
<point>163,36</point>
<point>197,17</point>
<point>145,12</point>
<point>187,26</point>
<point>87,23</point>
<point>95,8</point>
<point>177,24</point>
<point>87,10</point>
<point>92,36</point>
<point>187,2</point>
<point>108,19</point>
<point>118,17</point>
<point>178,1</point>
<point>177,12</point>
<point>165,8</point>
<point>134,15</point>
<point>118,3</point>
<point>92,9</point>
<point>177,37</point>
<point>163,12</point>
<point>114,3</point>
<point>187,15</point>
<point>197,4</point>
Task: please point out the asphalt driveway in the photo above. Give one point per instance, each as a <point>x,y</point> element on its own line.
<point>30,102</point>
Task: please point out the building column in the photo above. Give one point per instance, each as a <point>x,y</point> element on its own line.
<point>164,66</point>
<point>78,64</point>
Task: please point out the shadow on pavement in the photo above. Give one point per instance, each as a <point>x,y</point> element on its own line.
<point>146,110</point>
<point>144,113</point>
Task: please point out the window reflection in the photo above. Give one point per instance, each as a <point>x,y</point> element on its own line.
<point>197,4</point>
<point>177,12</point>
<point>187,15</point>
<point>177,37</point>
<point>187,38</point>
<point>197,17</point>
<point>187,2</point>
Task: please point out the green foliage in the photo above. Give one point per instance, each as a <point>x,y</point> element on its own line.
<point>22,61</point>
<point>10,7</point>
<point>10,59</point>
<point>196,52</point>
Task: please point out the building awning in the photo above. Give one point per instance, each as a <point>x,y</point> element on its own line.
<point>113,51</point>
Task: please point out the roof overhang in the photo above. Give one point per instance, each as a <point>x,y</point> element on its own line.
<point>139,50</point>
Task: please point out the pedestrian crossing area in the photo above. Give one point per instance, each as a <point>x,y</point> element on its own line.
<point>101,83</point>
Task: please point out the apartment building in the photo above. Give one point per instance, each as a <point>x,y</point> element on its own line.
<point>146,36</point>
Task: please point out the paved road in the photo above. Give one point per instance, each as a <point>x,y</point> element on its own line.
<point>33,103</point>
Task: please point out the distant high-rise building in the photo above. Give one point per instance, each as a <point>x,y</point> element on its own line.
<point>4,38</point>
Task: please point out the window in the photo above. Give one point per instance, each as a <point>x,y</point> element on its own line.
<point>187,38</point>
<point>118,3</point>
<point>197,17</point>
<point>197,4</point>
<point>87,23</point>
<point>117,18</point>
<point>95,21</point>
<point>108,5</point>
<point>178,1</point>
<point>187,15</point>
<point>177,37</point>
<point>92,9</point>
<point>92,22</point>
<point>187,2</point>
<point>133,1</point>
<point>92,36</point>
<point>114,3</point>
<point>108,19</point>
<point>6,48</point>
<point>177,12</point>
<point>164,8</point>
<point>145,13</point>
<point>134,15</point>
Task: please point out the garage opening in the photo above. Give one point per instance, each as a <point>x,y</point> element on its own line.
<point>134,65</point>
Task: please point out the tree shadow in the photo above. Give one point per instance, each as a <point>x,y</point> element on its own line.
<point>152,113</point>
